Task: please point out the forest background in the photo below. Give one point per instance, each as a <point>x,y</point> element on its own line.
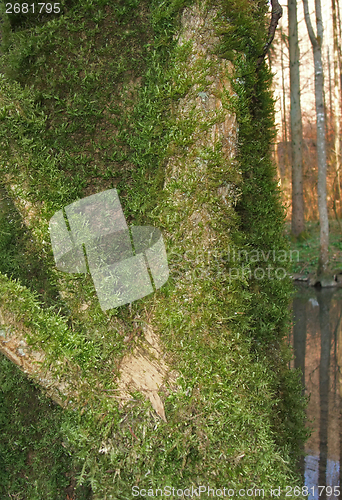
<point>279,60</point>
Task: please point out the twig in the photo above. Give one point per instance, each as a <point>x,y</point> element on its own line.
<point>130,430</point>
<point>277,12</point>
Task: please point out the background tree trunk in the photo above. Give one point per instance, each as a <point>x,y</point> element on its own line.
<point>316,43</point>
<point>298,222</point>
<point>337,104</point>
<point>284,108</point>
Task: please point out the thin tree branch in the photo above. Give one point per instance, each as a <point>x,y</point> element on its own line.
<point>319,23</point>
<point>312,36</point>
<point>277,12</point>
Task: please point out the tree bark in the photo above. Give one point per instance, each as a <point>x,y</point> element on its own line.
<point>330,114</point>
<point>298,223</point>
<point>316,43</point>
<point>337,102</point>
<point>284,115</point>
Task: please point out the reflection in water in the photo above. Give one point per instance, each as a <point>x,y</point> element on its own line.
<point>317,343</point>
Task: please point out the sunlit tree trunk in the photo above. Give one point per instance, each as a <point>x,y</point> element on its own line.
<point>316,43</point>
<point>298,224</point>
<point>284,115</point>
<point>338,14</point>
<point>330,114</point>
<point>337,100</point>
<point>157,347</point>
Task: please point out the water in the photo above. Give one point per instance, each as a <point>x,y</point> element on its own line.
<point>317,343</point>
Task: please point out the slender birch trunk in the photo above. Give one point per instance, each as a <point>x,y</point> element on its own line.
<point>285,159</point>
<point>285,138</point>
<point>331,110</point>
<point>298,223</point>
<point>316,43</point>
<point>337,100</point>
<point>338,14</point>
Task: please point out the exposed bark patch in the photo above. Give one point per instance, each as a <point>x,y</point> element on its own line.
<point>145,371</point>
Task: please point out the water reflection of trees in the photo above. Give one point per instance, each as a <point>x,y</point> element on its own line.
<point>317,342</point>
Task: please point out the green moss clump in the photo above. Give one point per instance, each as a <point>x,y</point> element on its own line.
<point>34,462</point>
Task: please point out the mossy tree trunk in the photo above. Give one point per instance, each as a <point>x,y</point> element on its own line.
<point>206,349</point>
<point>204,169</point>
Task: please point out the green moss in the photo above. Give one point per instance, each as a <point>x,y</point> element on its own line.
<point>94,106</point>
<point>34,462</point>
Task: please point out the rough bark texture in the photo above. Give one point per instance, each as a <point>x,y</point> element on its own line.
<point>298,224</point>
<point>316,43</point>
